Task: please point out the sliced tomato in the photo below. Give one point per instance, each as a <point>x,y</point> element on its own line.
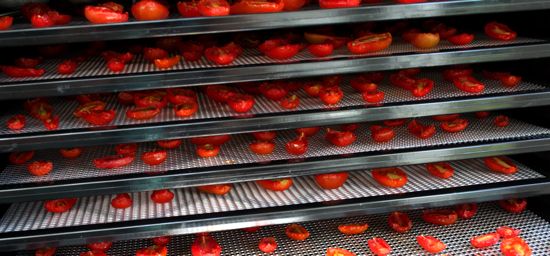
<point>353,229</point>
<point>121,201</point>
<point>153,251</point>
<point>485,240</point>
<point>373,97</point>
<point>276,185</point>
<point>390,177</point>
<point>451,73</point>
<point>70,153</point>
<point>110,162</point>
<point>168,62</point>
<point>440,217</point>
<point>399,222</point>
<point>51,123</point>
<point>339,252</point>
<point>430,244</point>
<point>370,43</point>
<point>403,81</point>
<point>513,205</point>
<point>425,40</point>
<point>169,144</point>
<point>290,102</point>
<point>502,121</point>
<point>154,157</point>
<point>499,31</point>
<point>214,140</point>
<point>379,246</point>
<point>441,170</point>
<point>16,122</point>
<point>296,232</point>
<point>267,135</point>
<point>40,168</point>
<point>331,95</point>
<point>213,7</point>
<point>273,90</point>
<point>331,180</point>
<point>154,99</point>
<point>256,6</point>
<point>468,84</point>
<point>308,131</point>
<point>381,134</point>
<point>47,251</point>
<point>59,205</point>
<point>205,245</point>
<point>461,39</point>
<point>508,232</point>
<point>191,51</point>
<point>340,138</point>
<point>20,157</point>
<point>241,103</point>
<point>150,10</point>
<point>297,146</point>
<point>456,125</point>
<point>106,13</point>
<point>186,109</point>
<point>178,96</point>
<point>446,118</point>
<point>279,49</point>
<point>219,189</point>
<point>268,244</point>
<point>5,22</point>
<point>422,87</point>
<point>421,131</point>
<point>18,72</point>
<point>321,50</point>
<point>312,88</point>
<point>208,150</point>
<point>466,211</point>
<point>329,4</point>
<point>89,107</point>
<point>515,246</point>
<point>221,55</point>
<point>126,149</point>
<point>188,9</point>
<point>500,164</point>
<point>363,84</point>
<point>162,196</point>
<point>161,240</point>
<point>100,246</point>
<point>151,53</point>
<point>262,147</point>
<point>142,113</point>
<point>100,117</point>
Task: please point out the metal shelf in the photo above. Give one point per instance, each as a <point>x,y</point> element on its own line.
<point>324,234</point>
<point>81,30</point>
<point>236,163</point>
<point>93,76</point>
<point>216,118</point>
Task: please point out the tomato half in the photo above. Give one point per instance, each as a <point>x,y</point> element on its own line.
<point>273,90</point>
<point>22,72</point>
<point>296,232</point>
<point>373,97</point>
<point>16,122</point>
<point>150,10</point>
<point>151,53</point>
<point>126,149</point>
<point>70,153</point>
<point>331,95</point>
<point>279,49</point>
<point>513,205</point>
<point>390,177</point>
<point>499,31</point>
<point>422,87</point>
<point>329,4</point>
<point>276,185</point>
<point>468,84</point>
<point>466,211</point>
<point>456,125</point>
<point>312,88</point>
<point>485,240</point>
<point>48,251</point>
<point>241,103</point>
<point>515,246</point>
<point>59,205</point>
<point>205,245</point>
<point>105,13</point>
<point>500,164</point>
<point>461,39</point>
<point>208,150</point>
<point>440,217</point>
<point>430,244</point>
<point>353,229</point>
<point>451,73</point>
<point>220,55</point>
<point>110,162</point>
<point>308,131</point>
<point>5,22</point>
<point>214,140</point>
<point>142,113</point>
<point>121,201</point>
<point>219,189</point>
<point>88,107</point>
<point>403,81</point>
<point>162,196</point>
<point>188,9</point>
<point>441,170</point>
<point>213,7</point>
<point>256,6</point>
<point>381,134</point>
<point>321,50</point>
<point>482,114</point>
<point>421,131</point>
<point>339,252</point>
<point>379,246</point>
<point>178,96</point>
<point>20,157</point>
<point>446,118</point>
<point>297,146</point>
<point>363,84</point>
<point>100,117</point>
<point>290,102</point>
<point>370,43</point>
<point>100,246</point>
<point>399,222</point>
<point>153,99</point>
<point>267,244</point>
<point>395,122</point>
<point>169,144</point>
<point>262,147</point>
<point>508,232</point>
<point>331,180</point>
<point>154,157</point>
<point>40,168</point>
<point>161,240</point>
<point>186,109</point>
<point>168,62</point>
<point>340,138</point>
<point>501,121</point>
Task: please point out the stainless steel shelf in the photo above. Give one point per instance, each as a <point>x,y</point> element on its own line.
<point>80,30</point>
<point>324,234</point>
<point>217,118</point>
<point>236,163</point>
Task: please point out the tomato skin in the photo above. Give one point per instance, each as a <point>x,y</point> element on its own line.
<point>353,229</point>
<point>276,185</point>
<point>20,157</point>
<point>100,246</point>
<point>485,240</point>
<point>390,177</point>
<point>515,246</point>
<point>370,43</point>
<point>251,6</point>
<point>214,140</point>
<point>421,131</point>
<point>188,9</point>
<point>268,244</point>
<point>382,134</point>
<point>500,164</point>
<point>379,246</point>
<point>103,14</point>
<point>59,205</point>
<point>308,131</point>
<point>205,245</point>
<point>5,22</point>
<point>100,117</point>
<point>340,138</point>
<point>430,244</point>
<point>70,153</point>
<point>329,4</point>
<point>126,149</point>
<point>162,196</point>
<point>468,84</point>
<point>121,201</point>
<point>262,147</point>
<point>241,103</point>
<point>48,251</point>
<point>399,222</point>
<point>296,232</point>
<point>110,162</point>
<point>502,121</point>
<point>331,95</point>
<point>152,251</point>
<point>40,168</point>
<point>161,240</point>
<point>142,113</point>
<point>513,205</point>
<point>154,157</point>
<point>466,211</point>
<point>290,102</point>
<point>297,146</point>
<point>440,217</point>
<point>149,10</point>
<point>219,189</point>
<point>208,150</point>
<point>321,50</point>
<point>339,252</point>
<point>508,232</point>
<point>169,144</point>
<point>461,39</point>
<point>331,180</point>
<point>441,170</point>
<point>213,7</point>
<point>168,62</point>
<point>186,109</point>
<point>499,31</point>
<point>16,122</point>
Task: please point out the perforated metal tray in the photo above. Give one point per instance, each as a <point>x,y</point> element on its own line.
<point>324,234</point>
<point>246,196</point>
<point>209,110</point>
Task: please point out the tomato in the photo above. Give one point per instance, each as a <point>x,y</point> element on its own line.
<point>153,251</point>
<point>106,13</point>
<point>188,9</point>
<point>178,96</point>
<point>510,80</point>
<point>268,244</point>
<point>403,81</point>
<point>262,147</point>
<point>48,251</point>
<point>296,232</point>
<point>349,127</point>
<point>331,95</point>
<point>308,131</point>
<point>440,217</point>
<point>16,122</point>
<point>425,40</point>
<point>151,54</point>
<point>40,168</point>
<point>161,240</point>
<point>515,246</point>
<point>279,49</point>
<point>482,114</point>
<point>321,50</point>
<point>149,10</point>
<point>276,184</point>
<point>267,135</point>
<point>395,122</point>
<point>241,103</point>
<point>297,146</point>
<point>220,93</point>
<point>251,229</point>
<point>353,229</point>
<point>220,55</point>
<point>441,170</point>
<point>446,118</point>
<point>340,138</point>
<point>89,107</point>
<point>461,39</point>
<point>421,131</point>
<point>362,84</point>
<point>142,113</point>
<point>502,121</point>
<point>370,43</point>
<point>273,90</point>
<point>331,180</point>
<point>422,87</point>
<point>430,244</point>
<point>150,100</point>
<point>256,6</point>
<point>290,102</point>
<point>500,164</point>
<point>70,153</point>
<point>499,31</point>
<point>169,144</point>
<point>468,84</point>
<point>93,253</point>
<point>214,140</point>
<point>5,22</point>
<point>110,162</point>
<point>312,88</point>
<point>205,245</point>
<point>219,189</point>
<point>100,246</point>
<point>25,62</point>
<point>373,97</point>
<point>168,62</point>
<point>381,134</point>
<point>162,196</point>
<point>339,252</point>
<point>329,4</point>
<point>154,157</point>
<point>100,117</point>
<point>390,177</point>
<point>379,246</point>
<point>456,125</point>
<point>186,109</point>
<point>121,201</point>
<point>67,67</point>
<point>486,240</point>
<point>20,157</point>
<point>59,205</point>
<point>51,123</point>
<point>126,149</point>
<point>513,205</point>
<point>17,72</point>
<point>508,232</point>
<point>208,150</point>
<point>294,5</point>
<point>191,51</point>
<point>400,222</point>
<point>87,98</point>
<point>213,7</point>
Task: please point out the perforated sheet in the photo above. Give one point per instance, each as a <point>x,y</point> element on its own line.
<point>324,234</point>
<point>247,195</point>
<point>209,109</point>
<point>96,66</point>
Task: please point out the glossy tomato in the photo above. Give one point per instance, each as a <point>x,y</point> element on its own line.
<point>297,146</point>
<point>340,138</point>
<point>142,113</point>
<point>331,95</point>
<point>20,157</point>
<point>256,6</point>
<point>390,177</point>
<point>515,246</point>
<point>205,245</point>
<point>241,103</point>
<point>105,13</point>
<point>169,144</point>
<point>499,31</point>
<point>152,251</point>
<point>262,147</point>
<point>399,222</point>
<point>40,168</point>
<point>430,244</point>
<point>154,157</point>
<point>339,252</point>
<point>150,10</point>
<point>213,7</point>
<point>276,184</point>
<point>296,232</point>
<point>268,244</point>
<point>16,122</point>
<point>370,43</point>
<point>188,9</point>
<point>100,246</point>
<point>208,150</point>
<point>440,217</point>
<point>219,189</point>
<point>508,232</point>
<point>513,205</point>
<point>441,170</point>
<point>331,180</point>
<point>379,246</point>
<point>162,196</point>
<point>59,205</point>
<point>121,201</point>
<point>461,39</point>
<point>485,240</point>
<point>353,229</point>
<point>70,153</point>
<point>466,211</point>
<point>321,50</point>
<point>224,55</point>
<point>500,164</point>
<point>110,162</point>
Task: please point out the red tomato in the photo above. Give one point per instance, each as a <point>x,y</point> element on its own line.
<point>349,127</point>
<point>214,140</point>
<point>267,135</point>
<point>340,138</point>
<point>241,103</point>
<point>110,162</point>
<point>205,245</point>
<point>297,146</point>
<point>508,232</point>
<point>178,96</point>
<point>162,196</point>
<point>156,100</point>
<point>20,157</point>
<point>126,149</point>
<point>100,117</point>
<point>40,168</point>
<point>403,81</point>
<point>430,244</point>
<point>153,251</point>
<point>100,246</point>
<point>105,13</point>
<point>329,4</point>
<point>466,211</point>
<point>208,150</point>
<point>394,122</point>
<point>22,72</point>
<point>262,147</point>
<point>25,62</point>
<point>425,40</point>
<point>422,87</point>
<point>362,84</point>
<point>251,229</point>
<point>379,246</point>
<point>486,240</point>
<point>213,7</point>
<point>312,88</point>
<point>67,67</point>
<point>191,51</point>
<point>168,62</point>
<point>502,121</point>
<point>186,109</point>
<point>279,49</point>
<point>220,55</point>
<point>290,102</point>
<point>293,5</point>
<point>515,246</point>
<point>510,80</point>
<point>142,113</point>
<point>188,9</point>
<point>339,252</point>
<point>169,144</point>
<point>48,251</point>
<point>273,90</point>
<point>513,205</point>
<point>219,189</point>
<point>88,107</point>
<point>446,118</point>
<point>5,22</point>
<point>308,131</point>
<point>468,84</point>
<point>482,114</point>
<point>276,185</point>
<point>59,205</point>
<point>441,170</point>
<point>151,54</point>
<point>51,123</point>
<point>440,217</point>
<point>154,157</point>
<point>149,10</point>
<point>500,164</point>
<point>373,97</point>
<point>268,244</point>
<point>121,201</point>
<point>421,131</point>
<point>499,31</point>
<point>70,153</point>
<point>331,95</point>
<point>353,229</point>
<point>461,39</point>
<point>321,50</point>
<point>256,6</point>
<point>390,177</point>
<point>370,43</point>
<point>331,180</point>
<point>161,240</point>
<point>125,98</point>
<point>452,73</point>
<point>456,125</point>
<point>296,232</point>
<point>400,222</point>
<point>381,134</point>
<point>16,122</point>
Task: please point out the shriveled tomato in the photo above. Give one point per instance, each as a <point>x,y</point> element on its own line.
<point>256,6</point>
<point>110,162</point>
<point>508,232</point>
<point>154,157</point>
<point>219,189</point>
<point>515,246</point>
<point>153,251</point>
<point>390,177</point>
<point>499,31</point>
<point>105,13</point>
<point>205,245</point>
<point>297,146</point>
<point>169,144</point>
<point>178,96</point>
<point>466,211</point>
<point>501,121</point>
<point>162,196</point>
<point>381,134</point>
<point>126,149</point>
<point>430,244</point>
<point>329,4</point>
<point>153,99</point>
<point>485,240</point>
<point>290,102</point>
<point>168,62</point>
<point>461,39</point>
<point>213,7</point>
<point>20,157</point>
<point>339,252</point>
<point>468,84</point>
<point>70,153</point>
<point>331,180</point>
<point>353,229</point>
<point>214,140</point>
<point>276,184</point>
<point>142,113</point>
<point>268,244</point>
<point>279,49</point>
<point>312,88</point>
<point>379,246</point>
<point>186,109</point>
<point>100,117</point>
<point>441,170</point>
<point>241,103</point>
<point>370,43</point>
<point>188,9</point>
<point>399,222</point>
<point>456,125</point>
<point>296,232</point>
<point>262,147</point>
<point>161,240</point>
<point>16,122</point>
<point>47,251</point>
<point>425,40</point>
<point>150,10</point>
<point>500,164</point>
<point>422,87</point>
<point>208,150</point>
<point>40,168</point>
<point>100,246</point>
<point>321,50</point>
<point>59,205</point>
<point>331,95</point>
<point>340,138</point>
<point>441,217</point>
<point>121,201</point>
<point>513,205</point>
